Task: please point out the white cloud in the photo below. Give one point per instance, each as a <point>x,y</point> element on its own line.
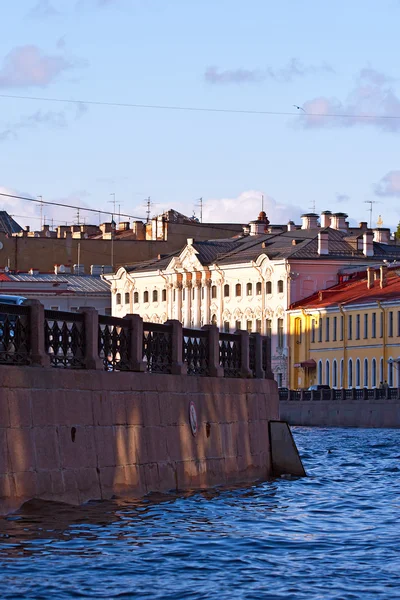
<point>389,185</point>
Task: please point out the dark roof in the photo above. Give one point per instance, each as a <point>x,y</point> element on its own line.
<point>76,283</point>
<point>7,224</point>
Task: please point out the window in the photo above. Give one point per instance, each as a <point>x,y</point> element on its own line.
<point>174,294</point>
<point>357,327</point>
<point>213,319</point>
<point>164,296</point>
<point>381,326</point>
<point>249,326</point>
<point>313,331</point>
<point>268,287</point>
<point>390,324</point>
<point>350,333</point>
<point>341,373</point>
<point>280,380</point>
<point>238,325</point>
<point>238,289</point>
<point>358,373</point>
<point>334,374</point>
<point>334,329</point>
<point>373,373</point>
<point>320,330</point>
<point>327,373</point>
<point>118,298</point>
<point>320,372</point>
<point>226,326</point>
<point>258,325</point>
<point>54,308</point>
<point>327,329</point>
<point>398,323</point>
<point>127,297</point>
<point>341,328</point>
<point>226,290</point>
<point>249,289</point>
<point>280,333</point>
<point>136,297</point>
<point>373,332</point>
<point>258,288</point>
<point>350,374</point>
<point>299,331</point>
<point>390,374</point>
<point>145,296</point>
<point>155,296</point>
<point>268,327</point>
<point>365,372</point>
<point>366,326</point>
<point>381,371</point>
<point>213,291</point>
<point>280,286</point>
<point>193,292</point>
<point>183,293</point>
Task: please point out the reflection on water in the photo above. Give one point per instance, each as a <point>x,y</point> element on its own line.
<point>333,535</point>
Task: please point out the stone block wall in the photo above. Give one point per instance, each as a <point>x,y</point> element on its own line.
<point>73,436</point>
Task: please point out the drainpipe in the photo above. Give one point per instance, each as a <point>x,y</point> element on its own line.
<point>383,338</point>
<point>344,381</point>
<point>253,264</point>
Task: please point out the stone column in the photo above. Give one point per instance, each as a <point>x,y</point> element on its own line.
<point>206,301</point>
<point>214,367</point>
<point>38,348</point>
<point>197,304</point>
<point>244,353</point>
<point>177,365</point>
<point>187,304</point>
<point>136,343</point>
<point>258,355</point>
<point>92,359</point>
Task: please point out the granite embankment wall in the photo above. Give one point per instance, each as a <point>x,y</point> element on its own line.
<point>74,436</point>
<point>342,413</point>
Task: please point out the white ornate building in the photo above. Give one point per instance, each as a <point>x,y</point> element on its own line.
<point>249,281</point>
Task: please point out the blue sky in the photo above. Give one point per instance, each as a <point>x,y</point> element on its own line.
<point>260,55</point>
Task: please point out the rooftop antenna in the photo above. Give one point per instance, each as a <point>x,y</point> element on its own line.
<point>78,216</point>
<point>370,202</point>
<point>148,211</point>
<point>113,201</point>
<point>262,202</point>
<point>200,204</point>
<point>312,207</point>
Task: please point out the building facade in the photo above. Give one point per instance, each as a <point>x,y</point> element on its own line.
<point>349,335</point>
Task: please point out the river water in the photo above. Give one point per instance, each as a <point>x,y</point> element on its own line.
<point>332,535</point>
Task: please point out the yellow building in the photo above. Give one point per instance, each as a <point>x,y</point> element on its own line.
<point>348,335</point>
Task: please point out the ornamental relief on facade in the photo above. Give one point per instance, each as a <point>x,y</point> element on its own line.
<point>279,311</point>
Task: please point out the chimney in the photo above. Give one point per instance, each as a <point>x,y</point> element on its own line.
<point>106,228</point>
<point>123,226</point>
<point>96,270</point>
<point>79,269</point>
<point>309,221</point>
<point>27,228</point>
<point>260,225</point>
<point>363,225</point>
<point>368,245</point>
<point>291,226</point>
<point>370,277</point>
<point>383,281</point>
<point>326,218</point>
<point>323,243</point>
<point>338,221</point>
<point>33,271</point>
<point>382,235</point>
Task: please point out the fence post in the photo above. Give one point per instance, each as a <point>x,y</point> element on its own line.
<point>258,349</point>
<point>39,356</point>
<point>136,362</point>
<point>91,328</point>
<point>244,353</point>
<point>214,367</point>
<point>177,365</point>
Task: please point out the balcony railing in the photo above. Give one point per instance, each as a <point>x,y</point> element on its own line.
<point>361,394</point>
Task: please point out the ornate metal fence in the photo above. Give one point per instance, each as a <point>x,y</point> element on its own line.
<point>230,354</point>
<point>114,343</point>
<point>195,351</point>
<point>64,335</point>
<point>157,347</point>
<point>14,335</point>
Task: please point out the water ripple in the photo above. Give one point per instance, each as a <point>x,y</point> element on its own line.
<point>334,535</point>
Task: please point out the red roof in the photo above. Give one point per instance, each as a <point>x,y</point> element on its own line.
<point>4,277</point>
<point>354,292</point>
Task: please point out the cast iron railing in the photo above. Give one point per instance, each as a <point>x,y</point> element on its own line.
<point>14,334</point>
<point>114,343</point>
<point>341,394</point>
<point>230,354</point>
<point>157,347</point>
<point>195,351</point>
<point>64,335</point>
<point>252,355</point>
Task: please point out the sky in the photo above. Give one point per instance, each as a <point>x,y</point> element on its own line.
<point>82,62</point>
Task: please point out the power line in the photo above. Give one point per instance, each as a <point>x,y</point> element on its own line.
<point>202,109</point>
<point>106,212</point>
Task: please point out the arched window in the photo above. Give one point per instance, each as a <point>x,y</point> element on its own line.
<point>238,290</point>
<point>341,373</point>
<point>258,288</point>
<point>280,286</point>
<point>249,289</point>
<point>164,296</point>
<point>373,373</point>
<point>213,291</point>
<point>320,372</point>
<point>350,374</point>
<point>381,376</point>
<point>145,296</point>
<point>334,374</point>
<point>327,373</point>
<point>268,287</point>
<point>136,297</point>
<point>118,298</point>
<point>127,297</point>
<point>366,375</point>
<point>390,373</point>
<point>226,291</point>
<point>155,296</point>
<point>358,373</point>
<point>213,319</point>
